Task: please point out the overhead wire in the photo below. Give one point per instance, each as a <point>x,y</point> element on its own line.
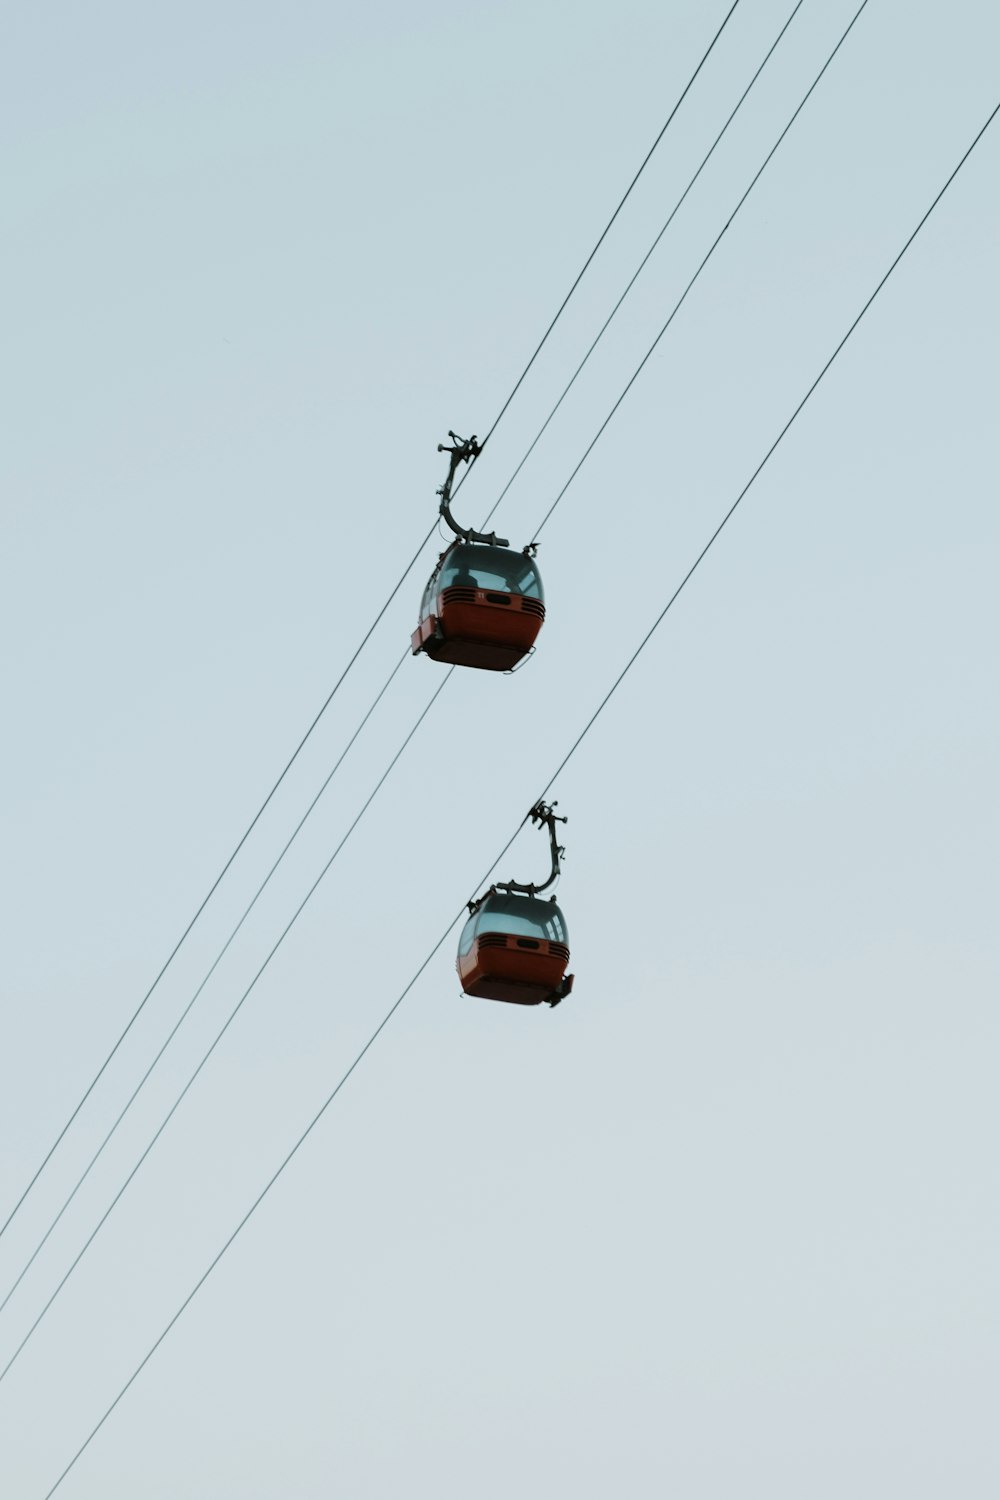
<point>644,262</point>
<point>604,232</point>
<point>705,260</point>
<point>364,641</point>
<point>547,516</point>
<point>314,1121</point>
<point>225,1027</point>
<point>209,894</point>
<point>121,1116</point>
<point>194,998</point>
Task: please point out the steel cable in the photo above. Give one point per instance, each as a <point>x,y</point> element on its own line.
<point>545,519</point>
<point>604,232</point>
<point>364,641</point>
<point>643,263</point>
<point>210,893</point>
<point>711,251</point>
<point>190,1005</point>
<point>225,1026</point>
<point>562,765</point>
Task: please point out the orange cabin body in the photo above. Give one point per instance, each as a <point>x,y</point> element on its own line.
<point>514,948</point>
<point>483,607</point>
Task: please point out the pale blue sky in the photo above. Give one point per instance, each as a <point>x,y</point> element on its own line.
<point>726,1221</point>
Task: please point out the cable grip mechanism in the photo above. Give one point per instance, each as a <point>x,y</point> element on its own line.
<point>461,451</point>
<point>543,814</point>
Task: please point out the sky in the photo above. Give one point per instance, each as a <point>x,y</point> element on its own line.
<point>725,1222</point>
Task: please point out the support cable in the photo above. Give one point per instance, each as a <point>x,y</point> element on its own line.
<point>607,227</point>
<point>642,264</point>
<point>226,1025</point>
<point>545,519</point>
<point>364,641</point>
<point>187,1009</point>
<point>559,769</point>
<point>464,475</point>
<point>711,251</point>
<point>211,891</point>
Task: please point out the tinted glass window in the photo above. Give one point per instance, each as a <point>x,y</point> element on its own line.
<point>430,594</point>
<point>468,933</point>
<point>524,916</point>
<point>499,568</point>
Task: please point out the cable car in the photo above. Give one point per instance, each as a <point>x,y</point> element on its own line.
<point>484,603</point>
<point>515,946</point>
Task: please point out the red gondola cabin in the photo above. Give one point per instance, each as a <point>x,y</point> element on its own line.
<point>483,607</point>
<point>515,948</point>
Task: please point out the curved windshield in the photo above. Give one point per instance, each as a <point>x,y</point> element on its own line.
<point>523,916</point>
<point>430,594</point>
<point>481,567</point>
<point>468,933</point>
